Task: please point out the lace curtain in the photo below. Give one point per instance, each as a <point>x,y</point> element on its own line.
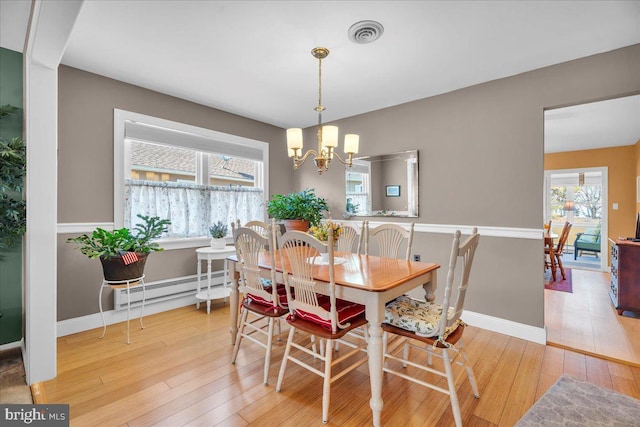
<point>191,208</point>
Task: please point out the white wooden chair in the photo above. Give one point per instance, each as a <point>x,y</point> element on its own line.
<point>390,238</point>
<point>260,226</point>
<point>263,229</point>
<point>314,309</point>
<point>437,334</point>
<point>266,303</point>
<point>350,237</point>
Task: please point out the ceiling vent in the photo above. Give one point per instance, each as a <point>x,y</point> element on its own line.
<point>365,32</point>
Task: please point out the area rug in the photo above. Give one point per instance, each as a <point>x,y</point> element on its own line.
<point>570,402</point>
<point>560,284</point>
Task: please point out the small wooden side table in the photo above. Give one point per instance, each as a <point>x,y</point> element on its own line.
<point>122,284</point>
<point>208,254</point>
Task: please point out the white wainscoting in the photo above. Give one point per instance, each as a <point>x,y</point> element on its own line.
<point>495,324</point>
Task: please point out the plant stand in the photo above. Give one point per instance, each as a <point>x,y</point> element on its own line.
<point>208,255</point>
<point>122,284</point>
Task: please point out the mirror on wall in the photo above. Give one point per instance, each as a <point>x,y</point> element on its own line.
<point>384,185</point>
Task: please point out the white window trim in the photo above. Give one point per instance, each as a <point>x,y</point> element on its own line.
<point>121,163</point>
<point>604,221</point>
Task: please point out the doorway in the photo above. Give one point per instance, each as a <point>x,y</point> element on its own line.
<point>581,141</point>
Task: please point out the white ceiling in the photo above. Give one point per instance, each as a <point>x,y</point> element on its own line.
<point>610,123</point>
<point>253,58</point>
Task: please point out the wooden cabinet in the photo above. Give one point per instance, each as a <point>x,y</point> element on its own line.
<point>625,276</point>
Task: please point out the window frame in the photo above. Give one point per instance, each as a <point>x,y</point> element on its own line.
<point>122,162</point>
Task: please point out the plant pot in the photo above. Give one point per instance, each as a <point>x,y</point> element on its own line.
<point>296,224</point>
<point>218,243</point>
<point>114,269</point>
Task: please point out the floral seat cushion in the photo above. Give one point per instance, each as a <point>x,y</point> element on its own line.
<point>416,316</point>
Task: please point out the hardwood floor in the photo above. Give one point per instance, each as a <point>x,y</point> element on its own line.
<point>586,321</point>
<point>177,372</point>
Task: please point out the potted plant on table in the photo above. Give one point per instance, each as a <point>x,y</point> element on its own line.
<point>321,232</point>
<point>297,210</point>
<point>218,231</point>
<point>123,252</point>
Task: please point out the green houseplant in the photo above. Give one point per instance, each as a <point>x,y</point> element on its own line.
<point>218,231</point>
<point>110,246</point>
<point>13,159</point>
<point>297,210</point>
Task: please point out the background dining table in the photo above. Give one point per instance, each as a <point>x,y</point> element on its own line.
<point>549,238</point>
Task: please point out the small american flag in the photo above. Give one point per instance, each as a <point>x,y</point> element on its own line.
<point>129,258</point>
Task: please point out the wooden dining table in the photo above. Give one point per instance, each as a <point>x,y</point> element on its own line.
<point>369,280</point>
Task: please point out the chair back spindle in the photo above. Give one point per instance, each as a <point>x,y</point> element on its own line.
<point>464,252</point>
<point>348,238</point>
<point>390,238</point>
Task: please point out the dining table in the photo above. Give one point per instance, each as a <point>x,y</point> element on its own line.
<point>365,279</point>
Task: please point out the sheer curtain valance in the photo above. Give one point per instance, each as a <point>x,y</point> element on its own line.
<point>191,208</point>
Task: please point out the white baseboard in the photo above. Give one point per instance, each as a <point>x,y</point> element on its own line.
<point>11,345</point>
<point>506,327</point>
<point>92,321</point>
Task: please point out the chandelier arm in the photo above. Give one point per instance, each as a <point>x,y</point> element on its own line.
<point>347,162</point>
<point>300,160</point>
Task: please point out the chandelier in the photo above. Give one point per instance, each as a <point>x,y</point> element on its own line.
<point>327,135</point>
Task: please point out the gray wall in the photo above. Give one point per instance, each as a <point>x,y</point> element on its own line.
<point>85,173</point>
<point>481,163</point>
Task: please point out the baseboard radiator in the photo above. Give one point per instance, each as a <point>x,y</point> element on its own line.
<point>164,290</point>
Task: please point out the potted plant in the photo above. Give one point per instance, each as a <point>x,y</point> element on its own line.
<point>297,210</point>
<point>321,232</point>
<point>122,252</point>
<point>12,171</point>
<point>218,231</point>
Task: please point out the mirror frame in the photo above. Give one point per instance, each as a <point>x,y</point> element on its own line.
<point>410,190</point>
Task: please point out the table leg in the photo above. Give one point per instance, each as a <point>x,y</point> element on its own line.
<point>430,287</point>
<point>375,313</point>
<point>208,284</point>
<point>199,274</point>
<point>225,278</point>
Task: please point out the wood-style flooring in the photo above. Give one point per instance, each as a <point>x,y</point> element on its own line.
<point>176,372</point>
<point>586,321</point>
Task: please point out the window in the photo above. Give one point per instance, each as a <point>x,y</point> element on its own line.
<point>576,196</point>
<point>191,176</point>
<point>357,179</point>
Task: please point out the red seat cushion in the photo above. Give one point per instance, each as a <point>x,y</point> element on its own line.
<point>347,310</point>
<point>282,296</point>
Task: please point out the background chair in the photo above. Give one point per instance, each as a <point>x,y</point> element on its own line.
<point>588,241</point>
<point>557,251</point>
<point>390,238</point>
<point>349,237</point>
<point>266,303</point>
<point>314,309</point>
<point>436,327</point>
